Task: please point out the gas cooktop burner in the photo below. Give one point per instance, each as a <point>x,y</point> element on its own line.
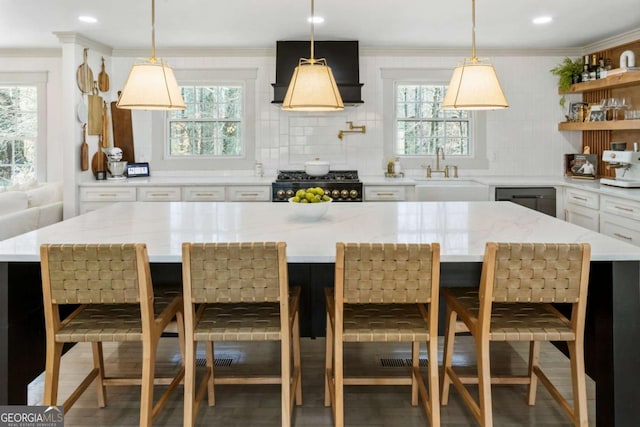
<point>298,176</point>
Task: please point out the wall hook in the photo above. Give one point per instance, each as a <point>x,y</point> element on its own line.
<point>352,129</point>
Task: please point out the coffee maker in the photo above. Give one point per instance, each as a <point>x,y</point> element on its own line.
<point>626,165</point>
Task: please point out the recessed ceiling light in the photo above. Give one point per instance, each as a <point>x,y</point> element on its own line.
<point>316,19</point>
<point>542,20</point>
<point>87,19</point>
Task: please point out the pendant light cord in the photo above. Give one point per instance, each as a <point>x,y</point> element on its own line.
<point>473,31</point>
<point>312,18</point>
<point>153,31</point>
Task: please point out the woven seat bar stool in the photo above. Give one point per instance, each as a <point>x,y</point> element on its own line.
<point>111,283</point>
<point>518,284</point>
<point>239,292</point>
<point>384,292</point>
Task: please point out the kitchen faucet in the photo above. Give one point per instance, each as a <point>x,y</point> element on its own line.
<point>445,171</point>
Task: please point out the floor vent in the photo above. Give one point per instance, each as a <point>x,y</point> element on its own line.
<point>218,362</point>
<point>396,362</point>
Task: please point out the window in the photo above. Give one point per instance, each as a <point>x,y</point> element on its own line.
<point>18,131</point>
<point>415,125</point>
<point>217,128</point>
<point>422,126</point>
<point>211,125</point>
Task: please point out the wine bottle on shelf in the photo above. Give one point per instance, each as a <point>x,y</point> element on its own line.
<point>593,69</point>
<point>601,68</point>
<point>585,69</point>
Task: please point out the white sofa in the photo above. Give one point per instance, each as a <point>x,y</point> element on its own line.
<point>25,210</point>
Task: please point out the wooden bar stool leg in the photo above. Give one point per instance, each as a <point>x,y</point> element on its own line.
<point>209,352</point>
<point>484,382</point>
<point>447,358</point>
<point>534,362</point>
<point>297,359</point>
<point>148,373</point>
<point>285,367</point>
<point>415,365</point>
<point>98,363</point>
<point>181,335</point>
<point>190,384</point>
<point>434,399</point>
<point>52,372</point>
<point>338,372</point>
<point>576,356</point>
<point>328,364</point>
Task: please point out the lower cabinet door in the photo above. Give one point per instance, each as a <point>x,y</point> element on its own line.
<point>584,217</point>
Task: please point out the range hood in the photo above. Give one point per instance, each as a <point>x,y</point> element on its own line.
<point>341,56</point>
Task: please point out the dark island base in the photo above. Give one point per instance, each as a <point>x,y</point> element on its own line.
<point>612,337</point>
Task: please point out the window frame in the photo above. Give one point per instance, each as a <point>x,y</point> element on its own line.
<point>37,79</point>
<point>391,78</point>
<point>245,77</point>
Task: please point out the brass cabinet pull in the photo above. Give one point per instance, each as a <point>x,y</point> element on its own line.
<point>204,194</point>
<point>386,194</point>
<point>584,199</point>
<point>159,194</point>
<point>107,194</point>
<point>623,236</point>
<point>623,208</point>
<point>248,194</point>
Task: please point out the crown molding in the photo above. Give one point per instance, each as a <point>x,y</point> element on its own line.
<point>79,39</point>
<point>465,52</point>
<point>196,52</point>
<point>31,52</point>
<point>621,39</point>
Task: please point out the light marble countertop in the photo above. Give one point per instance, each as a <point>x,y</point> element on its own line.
<point>462,228</point>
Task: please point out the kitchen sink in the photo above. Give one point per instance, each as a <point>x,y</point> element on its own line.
<point>447,182</point>
<point>451,189</point>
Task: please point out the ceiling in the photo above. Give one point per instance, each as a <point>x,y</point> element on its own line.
<point>126,24</point>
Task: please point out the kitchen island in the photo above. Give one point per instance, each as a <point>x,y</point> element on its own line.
<point>461,228</point>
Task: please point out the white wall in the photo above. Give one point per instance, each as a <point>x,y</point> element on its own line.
<point>521,140</point>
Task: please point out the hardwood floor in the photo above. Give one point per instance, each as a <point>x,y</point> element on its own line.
<point>260,405</point>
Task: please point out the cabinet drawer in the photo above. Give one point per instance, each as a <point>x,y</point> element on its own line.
<point>622,207</point>
<point>582,198</point>
<point>159,194</point>
<point>619,228</point>
<point>249,194</point>
<point>384,193</point>
<point>203,194</point>
<point>111,194</point>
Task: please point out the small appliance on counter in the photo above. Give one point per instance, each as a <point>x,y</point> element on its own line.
<point>341,186</point>
<point>627,167</point>
<point>115,165</point>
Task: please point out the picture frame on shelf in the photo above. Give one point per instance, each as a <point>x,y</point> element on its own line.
<point>581,166</point>
<point>596,114</point>
<point>576,111</point>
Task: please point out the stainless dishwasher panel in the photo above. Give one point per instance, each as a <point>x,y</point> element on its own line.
<point>541,199</point>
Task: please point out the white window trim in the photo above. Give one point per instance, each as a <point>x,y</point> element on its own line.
<point>478,132</point>
<point>246,77</point>
<point>38,79</point>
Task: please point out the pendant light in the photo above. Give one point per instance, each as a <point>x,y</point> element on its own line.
<point>151,85</point>
<point>474,84</point>
<point>312,86</point>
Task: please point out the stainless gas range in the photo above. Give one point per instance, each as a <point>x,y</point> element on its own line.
<point>341,186</point>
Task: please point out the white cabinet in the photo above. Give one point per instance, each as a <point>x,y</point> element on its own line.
<point>247,193</point>
<point>158,194</point>
<point>203,194</point>
<point>584,217</point>
<point>92,198</point>
<point>385,193</point>
<point>620,219</point>
<point>627,230</point>
<point>581,208</point>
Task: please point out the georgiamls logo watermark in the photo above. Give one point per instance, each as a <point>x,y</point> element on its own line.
<point>31,416</point>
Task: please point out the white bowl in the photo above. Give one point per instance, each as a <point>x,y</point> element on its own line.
<point>309,211</point>
<point>316,167</point>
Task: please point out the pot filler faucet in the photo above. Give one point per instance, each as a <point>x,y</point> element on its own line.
<point>445,171</point>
